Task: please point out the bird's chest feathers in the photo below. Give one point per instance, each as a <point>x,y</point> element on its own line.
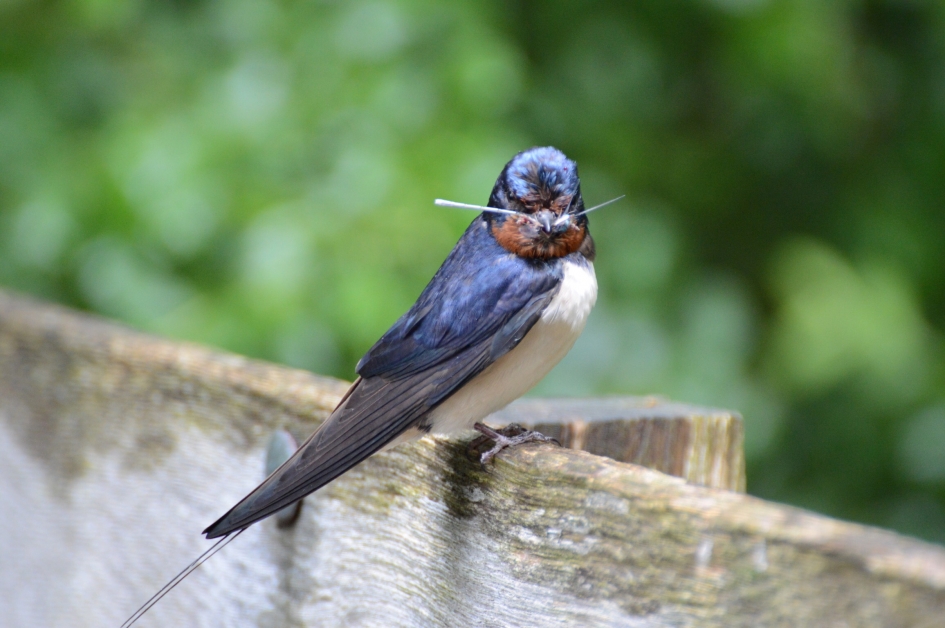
<point>574,300</point>
<point>517,372</point>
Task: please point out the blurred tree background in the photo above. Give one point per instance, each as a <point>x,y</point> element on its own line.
<point>259,175</point>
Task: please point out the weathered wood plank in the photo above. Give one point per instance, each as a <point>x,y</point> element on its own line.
<point>117,448</point>
<point>701,445</point>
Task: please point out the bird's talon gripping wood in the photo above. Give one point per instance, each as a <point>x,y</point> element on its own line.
<point>509,436</point>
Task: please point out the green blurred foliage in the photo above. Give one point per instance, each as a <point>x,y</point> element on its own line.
<point>259,175</point>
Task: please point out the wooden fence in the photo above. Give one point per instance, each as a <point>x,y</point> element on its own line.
<point>117,448</point>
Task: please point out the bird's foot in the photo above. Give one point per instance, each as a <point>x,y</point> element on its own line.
<point>508,436</point>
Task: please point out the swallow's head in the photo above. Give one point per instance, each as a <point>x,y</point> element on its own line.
<point>542,186</point>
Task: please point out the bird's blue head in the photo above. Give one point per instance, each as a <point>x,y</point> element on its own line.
<point>542,186</point>
<point>539,179</point>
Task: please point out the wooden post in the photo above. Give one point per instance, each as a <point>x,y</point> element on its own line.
<point>116,448</point>
<point>701,445</point>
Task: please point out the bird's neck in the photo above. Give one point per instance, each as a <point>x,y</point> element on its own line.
<point>513,235</point>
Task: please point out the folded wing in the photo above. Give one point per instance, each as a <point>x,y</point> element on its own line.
<point>477,308</point>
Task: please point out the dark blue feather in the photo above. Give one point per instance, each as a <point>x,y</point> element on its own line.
<point>476,293</point>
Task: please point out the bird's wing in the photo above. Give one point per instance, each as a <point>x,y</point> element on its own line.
<point>490,296</point>
<point>451,334</point>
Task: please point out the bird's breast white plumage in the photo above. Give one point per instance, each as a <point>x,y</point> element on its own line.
<point>517,372</point>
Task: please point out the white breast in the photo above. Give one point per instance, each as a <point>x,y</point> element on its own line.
<point>517,372</point>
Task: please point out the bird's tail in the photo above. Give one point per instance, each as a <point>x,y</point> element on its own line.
<point>216,547</point>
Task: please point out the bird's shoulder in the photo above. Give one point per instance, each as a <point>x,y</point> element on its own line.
<point>480,289</point>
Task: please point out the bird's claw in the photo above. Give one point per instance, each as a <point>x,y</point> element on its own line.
<point>508,436</point>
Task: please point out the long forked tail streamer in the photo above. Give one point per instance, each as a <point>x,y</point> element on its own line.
<point>216,547</point>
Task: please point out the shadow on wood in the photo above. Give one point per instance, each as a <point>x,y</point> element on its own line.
<point>117,448</point>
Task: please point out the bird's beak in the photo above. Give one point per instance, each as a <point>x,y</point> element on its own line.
<point>547,220</point>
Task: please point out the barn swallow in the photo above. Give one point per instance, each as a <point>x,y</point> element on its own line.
<point>504,308</point>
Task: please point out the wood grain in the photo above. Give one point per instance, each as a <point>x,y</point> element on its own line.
<point>116,448</point>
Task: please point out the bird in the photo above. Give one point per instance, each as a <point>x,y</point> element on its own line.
<point>504,308</point>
